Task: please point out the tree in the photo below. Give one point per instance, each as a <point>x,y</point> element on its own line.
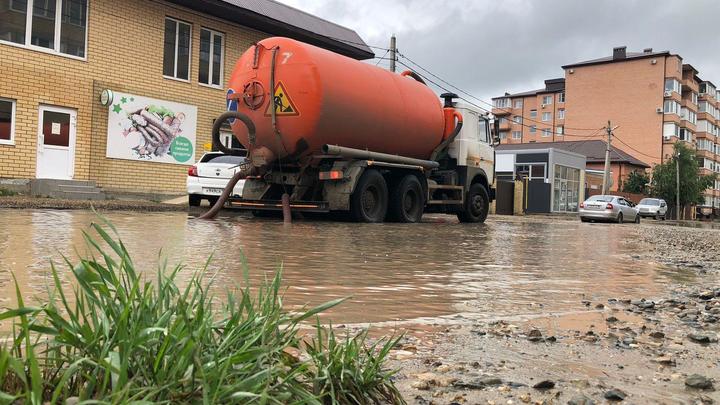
<point>692,184</point>
<point>637,182</point>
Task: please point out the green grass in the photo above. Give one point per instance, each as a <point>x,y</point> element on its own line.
<point>6,193</point>
<point>124,339</point>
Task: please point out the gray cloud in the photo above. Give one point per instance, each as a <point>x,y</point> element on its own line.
<point>487,47</point>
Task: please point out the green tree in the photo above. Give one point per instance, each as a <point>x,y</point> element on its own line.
<point>637,182</point>
<point>692,184</point>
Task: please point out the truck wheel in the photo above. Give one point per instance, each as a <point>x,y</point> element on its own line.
<point>194,200</point>
<point>476,205</point>
<point>369,201</point>
<point>407,200</point>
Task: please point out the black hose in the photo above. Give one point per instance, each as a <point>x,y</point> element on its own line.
<point>218,125</point>
<point>444,144</point>
<point>415,76</point>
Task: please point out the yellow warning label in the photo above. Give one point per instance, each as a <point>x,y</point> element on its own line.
<point>282,102</point>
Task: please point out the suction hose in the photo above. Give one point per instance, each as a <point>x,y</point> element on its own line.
<point>246,169</point>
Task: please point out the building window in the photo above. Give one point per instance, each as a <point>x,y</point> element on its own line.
<point>533,113</point>
<point>176,62</point>
<point>546,116</point>
<point>7,121</point>
<point>57,26</point>
<point>688,115</point>
<point>502,103</point>
<point>566,189</point>
<point>532,171</point>
<point>212,49</point>
<point>546,132</point>
<point>503,120</point>
<point>707,88</point>
<point>672,85</point>
<point>694,98</point>
<point>670,129</point>
<point>685,135</point>
<point>503,135</point>
<point>671,107</point>
<point>517,135</point>
<point>518,103</point>
<point>533,128</point>
<point>547,100</point>
<point>560,130</point>
<point>517,119</point>
<point>561,97</point>
<point>561,114</point>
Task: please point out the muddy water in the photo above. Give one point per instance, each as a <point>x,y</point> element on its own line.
<point>429,272</point>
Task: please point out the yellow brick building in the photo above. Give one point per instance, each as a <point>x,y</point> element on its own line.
<point>57,57</point>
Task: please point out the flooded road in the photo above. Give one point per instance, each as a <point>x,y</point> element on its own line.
<point>394,272</point>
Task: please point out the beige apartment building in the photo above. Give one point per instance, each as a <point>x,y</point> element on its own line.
<point>653,98</point>
<point>74,72</point>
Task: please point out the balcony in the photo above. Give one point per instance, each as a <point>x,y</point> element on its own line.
<point>689,83</point>
<point>706,116</point>
<point>705,154</point>
<point>687,103</point>
<point>501,111</point>
<point>706,135</point>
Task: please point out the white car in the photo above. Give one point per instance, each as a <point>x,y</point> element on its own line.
<point>653,207</point>
<point>608,208</point>
<point>208,177</point>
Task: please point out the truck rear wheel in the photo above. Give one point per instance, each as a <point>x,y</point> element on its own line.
<point>476,205</point>
<point>369,201</point>
<point>407,200</point>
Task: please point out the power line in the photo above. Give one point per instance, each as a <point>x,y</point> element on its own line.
<point>380,59</point>
<point>642,153</point>
<point>476,98</point>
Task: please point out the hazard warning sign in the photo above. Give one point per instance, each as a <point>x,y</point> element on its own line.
<point>282,102</point>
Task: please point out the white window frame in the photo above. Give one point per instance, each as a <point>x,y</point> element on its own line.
<point>517,119</point>
<point>58,24</point>
<point>546,116</point>
<point>533,129</point>
<point>560,130</point>
<point>213,33</point>
<point>177,43</point>
<point>561,97</point>
<point>546,132</point>
<point>547,100</point>
<point>533,113</point>
<point>518,103</point>
<point>561,114</point>
<point>13,118</point>
<point>519,134</point>
<point>502,103</point>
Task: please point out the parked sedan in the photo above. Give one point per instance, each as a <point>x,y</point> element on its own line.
<point>608,208</point>
<point>208,177</point>
<point>653,207</point>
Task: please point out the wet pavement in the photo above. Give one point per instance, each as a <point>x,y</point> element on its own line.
<point>426,272</point>
<point>490,310</point>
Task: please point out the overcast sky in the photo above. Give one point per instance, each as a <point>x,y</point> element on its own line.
<point>487,47</point>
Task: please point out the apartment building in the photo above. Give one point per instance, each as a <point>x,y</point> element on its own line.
<point>76,71</point>
<point>532,116</point>
<point>652,97</point>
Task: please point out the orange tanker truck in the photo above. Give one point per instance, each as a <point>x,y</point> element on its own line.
<point>326,133</point>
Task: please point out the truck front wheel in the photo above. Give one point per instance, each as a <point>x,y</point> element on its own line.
<point>407,200</point>
<point>476,205</point>
<point>369,201</point>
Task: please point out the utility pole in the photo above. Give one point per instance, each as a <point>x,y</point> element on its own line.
<point>393,52</point>
<point>677,185</point>
<point>606,173</point>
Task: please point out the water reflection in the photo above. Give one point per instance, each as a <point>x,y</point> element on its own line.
<point>392,271</point>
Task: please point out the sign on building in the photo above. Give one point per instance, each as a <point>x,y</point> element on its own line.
<point>147,129</point>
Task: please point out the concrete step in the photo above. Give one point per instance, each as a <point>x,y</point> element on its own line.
<point>67,189</point>
<point>79,195</point>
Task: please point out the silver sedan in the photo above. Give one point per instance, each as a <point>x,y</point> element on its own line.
<point>608,208</point>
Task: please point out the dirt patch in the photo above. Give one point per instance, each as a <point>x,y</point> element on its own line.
<point>26,202</point>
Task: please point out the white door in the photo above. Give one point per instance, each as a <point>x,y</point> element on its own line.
<point>56,143</point>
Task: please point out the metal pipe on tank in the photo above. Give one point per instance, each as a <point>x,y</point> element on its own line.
<point>383,157</point>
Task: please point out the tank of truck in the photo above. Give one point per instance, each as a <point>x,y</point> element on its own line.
<point>325,98</point>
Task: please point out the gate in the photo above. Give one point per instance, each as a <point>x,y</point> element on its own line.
<point>505,198</point>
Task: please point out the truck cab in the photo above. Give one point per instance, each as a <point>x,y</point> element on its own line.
<point>474,147</point>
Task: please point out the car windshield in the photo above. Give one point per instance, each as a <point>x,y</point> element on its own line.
<point>649,201</point>
<point>601,198</point>
<point>218,158</point>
